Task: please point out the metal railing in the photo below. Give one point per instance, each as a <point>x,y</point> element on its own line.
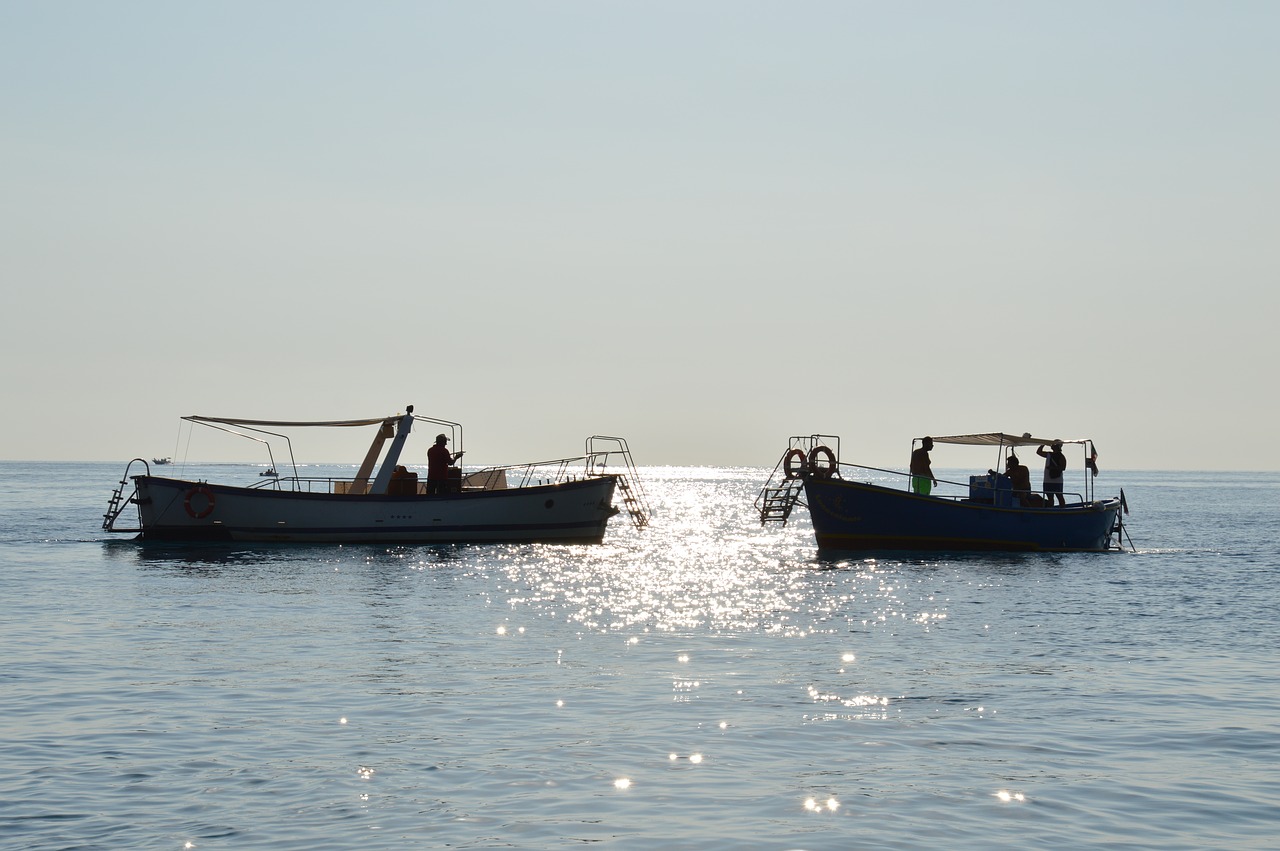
<point>819,454</point>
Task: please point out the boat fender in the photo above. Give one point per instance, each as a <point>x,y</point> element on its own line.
<point>199,490</point>
<point>820,470</point>
<point>793,470</point>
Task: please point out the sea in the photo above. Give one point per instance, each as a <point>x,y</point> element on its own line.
<point>705,682</point>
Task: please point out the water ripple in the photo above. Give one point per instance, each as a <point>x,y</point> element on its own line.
<point>705,683</point>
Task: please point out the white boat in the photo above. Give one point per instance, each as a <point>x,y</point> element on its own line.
<point>160,462</point>
<point>566,501</point>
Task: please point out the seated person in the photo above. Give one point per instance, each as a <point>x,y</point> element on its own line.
<point>403,482</point>
<point>1019,479</point>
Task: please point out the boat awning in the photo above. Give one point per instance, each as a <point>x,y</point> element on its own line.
<point>286,424</point>
<point>997,438</point>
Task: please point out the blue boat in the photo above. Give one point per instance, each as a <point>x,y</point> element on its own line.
<point>859,509</point>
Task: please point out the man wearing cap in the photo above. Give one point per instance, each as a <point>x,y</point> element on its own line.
<point>1054,463</point>
<point>439,459</point>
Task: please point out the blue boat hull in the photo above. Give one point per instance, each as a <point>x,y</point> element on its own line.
<point>860,517</point>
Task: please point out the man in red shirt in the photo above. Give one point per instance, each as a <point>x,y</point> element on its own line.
<point>439,459</point>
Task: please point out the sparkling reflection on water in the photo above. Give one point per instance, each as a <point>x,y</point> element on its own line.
<point>704,683</point>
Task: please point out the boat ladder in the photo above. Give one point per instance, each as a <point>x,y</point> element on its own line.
<point>600,450</point>
<point>1118,532</point>
<point>785,485</point>
<point>776,501</point>
<point>634,504</point>
<point>119,502</point>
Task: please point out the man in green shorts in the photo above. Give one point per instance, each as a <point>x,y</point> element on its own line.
<point>922,477</point>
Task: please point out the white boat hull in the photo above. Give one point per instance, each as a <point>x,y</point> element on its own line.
<point>568,512</point>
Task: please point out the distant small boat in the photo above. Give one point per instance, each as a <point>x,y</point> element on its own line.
<point>160,462</point>
<point>566,501</point>
<point>851,516</point>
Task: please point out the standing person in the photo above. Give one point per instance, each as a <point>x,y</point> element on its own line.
<point>439,460</point>
<point>922,478</point>
<point>1054,464</point>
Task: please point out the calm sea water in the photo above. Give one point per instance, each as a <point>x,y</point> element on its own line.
<point>705,683</point>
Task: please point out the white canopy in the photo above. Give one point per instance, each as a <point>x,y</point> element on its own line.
<point>997,438</point>
<point>286,424</point>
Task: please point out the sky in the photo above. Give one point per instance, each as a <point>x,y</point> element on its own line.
<point>703,226</point>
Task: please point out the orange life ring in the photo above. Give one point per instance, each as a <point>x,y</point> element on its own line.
<point>793,471</point>
<point>816,454</point>
<point>207,493</point>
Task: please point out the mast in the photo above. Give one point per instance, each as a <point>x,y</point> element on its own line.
<point>361,482</point>
<point>383,480</point>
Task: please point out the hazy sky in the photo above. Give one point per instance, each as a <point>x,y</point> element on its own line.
<point>704,226</point>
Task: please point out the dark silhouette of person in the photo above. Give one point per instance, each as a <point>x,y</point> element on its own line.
<point>1019,479</point>
<point>439,461</point>
<point>1054,464</point>
<point>922,478</point>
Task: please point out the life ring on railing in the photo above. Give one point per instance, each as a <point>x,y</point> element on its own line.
<point>199,491</point>
<point>793,471</point>
<point>818,453</point>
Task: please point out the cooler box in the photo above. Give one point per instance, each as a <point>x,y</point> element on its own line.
<point>992,490</point>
